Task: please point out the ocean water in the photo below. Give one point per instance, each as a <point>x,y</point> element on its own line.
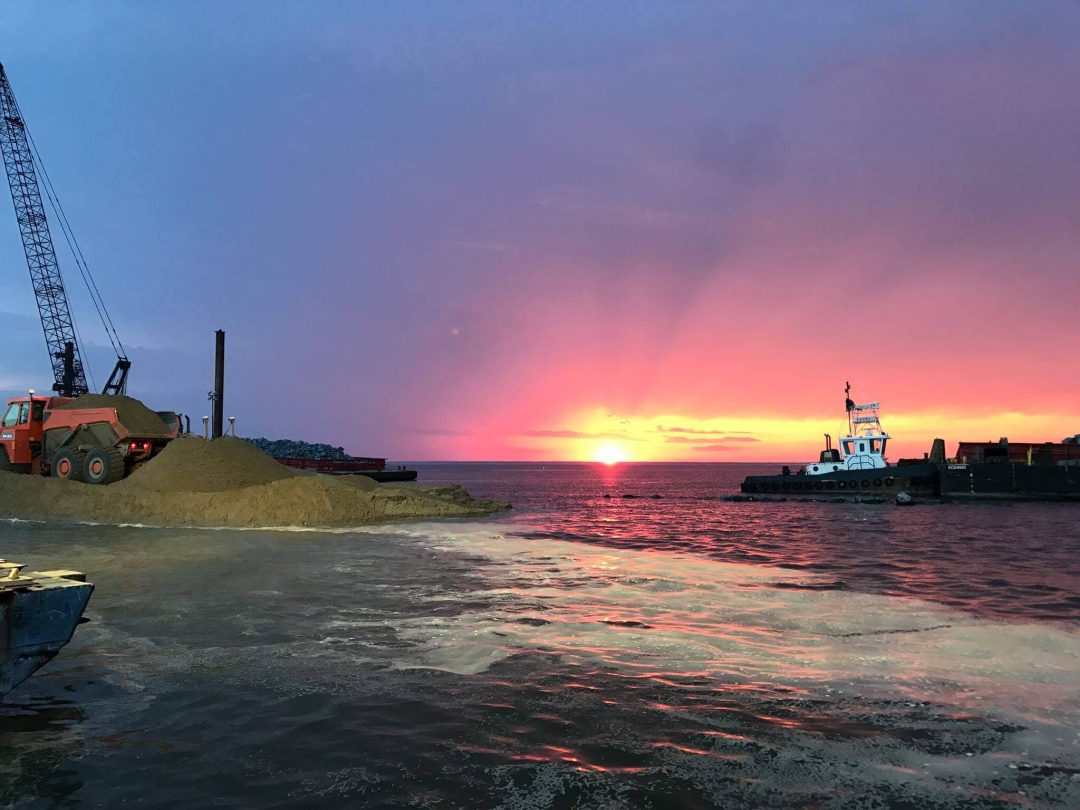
<point>622,638</point>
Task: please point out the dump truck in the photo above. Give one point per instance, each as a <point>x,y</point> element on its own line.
<point>98,441</point>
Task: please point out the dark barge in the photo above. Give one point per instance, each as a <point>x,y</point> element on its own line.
<point>951,480</point>
<point>374,468</point>
<point>1005,470</point>
<point>39,612</point>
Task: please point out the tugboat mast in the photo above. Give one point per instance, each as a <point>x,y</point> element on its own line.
<point>849,406</point>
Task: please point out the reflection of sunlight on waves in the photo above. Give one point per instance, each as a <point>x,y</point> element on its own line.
<point>657,615</point>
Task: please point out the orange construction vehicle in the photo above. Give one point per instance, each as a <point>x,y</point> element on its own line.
<point>38,435</point>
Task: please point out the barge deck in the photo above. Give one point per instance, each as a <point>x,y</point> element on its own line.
<point>39,611</point>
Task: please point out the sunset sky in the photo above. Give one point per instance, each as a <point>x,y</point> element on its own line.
<point>567,230</point>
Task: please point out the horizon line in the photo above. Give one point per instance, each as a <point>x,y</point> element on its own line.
<point>575,461</point>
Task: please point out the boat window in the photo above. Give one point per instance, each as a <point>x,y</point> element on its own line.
<point>11,418</point>
<point>875,445</point>
<point>862,447</point>
<point>849,448</point>
<point>883,446</point>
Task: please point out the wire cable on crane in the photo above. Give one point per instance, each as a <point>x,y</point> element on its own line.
<point>76,252</point>
<point>85,365</point>
<point>68,238</point>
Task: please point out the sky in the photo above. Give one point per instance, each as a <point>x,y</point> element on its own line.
<point>564,230</point>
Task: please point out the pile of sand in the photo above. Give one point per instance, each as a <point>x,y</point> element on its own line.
<point>136,417</point>
<point>191,464</point>
<point>227,482</point>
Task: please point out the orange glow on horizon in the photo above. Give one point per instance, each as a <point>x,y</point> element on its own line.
<point>598,435</point>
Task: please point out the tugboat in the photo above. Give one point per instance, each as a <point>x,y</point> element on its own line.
<point>39,612</point>
<point>858,466</point>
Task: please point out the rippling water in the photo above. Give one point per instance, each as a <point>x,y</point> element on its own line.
<point>588,649</point>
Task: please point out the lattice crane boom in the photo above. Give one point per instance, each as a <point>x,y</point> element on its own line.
<point>24,169</point>
<point>64,352</point>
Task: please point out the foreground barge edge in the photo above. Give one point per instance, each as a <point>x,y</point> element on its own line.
<point>39,612</point>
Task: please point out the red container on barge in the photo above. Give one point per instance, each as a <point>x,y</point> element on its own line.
<point>1019,452</point>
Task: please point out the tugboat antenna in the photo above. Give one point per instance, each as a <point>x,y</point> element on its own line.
<point>849,406</point>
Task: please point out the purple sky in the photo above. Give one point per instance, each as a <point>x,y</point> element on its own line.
<point>446,230</point>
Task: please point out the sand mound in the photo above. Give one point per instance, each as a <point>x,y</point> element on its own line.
<point>138,419</point>
<point>193,465</point>
<point>357,481</point>
<point>229,483</point>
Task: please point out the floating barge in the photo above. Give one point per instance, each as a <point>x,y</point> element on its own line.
<point>978,471</point>
<point>374,468</point>
<point>39,612</point>
<point>1005,470</point>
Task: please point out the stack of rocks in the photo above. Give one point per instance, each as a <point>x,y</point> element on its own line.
<point>289,448</point>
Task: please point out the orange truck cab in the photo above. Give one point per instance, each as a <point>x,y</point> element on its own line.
<point>40,437</point>
<point>21,432</point>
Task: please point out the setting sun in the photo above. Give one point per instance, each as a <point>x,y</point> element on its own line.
<point>609,453</point>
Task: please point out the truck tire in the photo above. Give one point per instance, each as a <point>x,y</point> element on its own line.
<point>68,465</point>
<point>5,465</point>
<point>103,465</point>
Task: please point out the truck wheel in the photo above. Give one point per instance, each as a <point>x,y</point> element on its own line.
<point>68,465</point>
<point>103,465</point>
<point>5,465</point>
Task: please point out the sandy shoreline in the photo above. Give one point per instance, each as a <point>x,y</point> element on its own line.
<point>228,483</point>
